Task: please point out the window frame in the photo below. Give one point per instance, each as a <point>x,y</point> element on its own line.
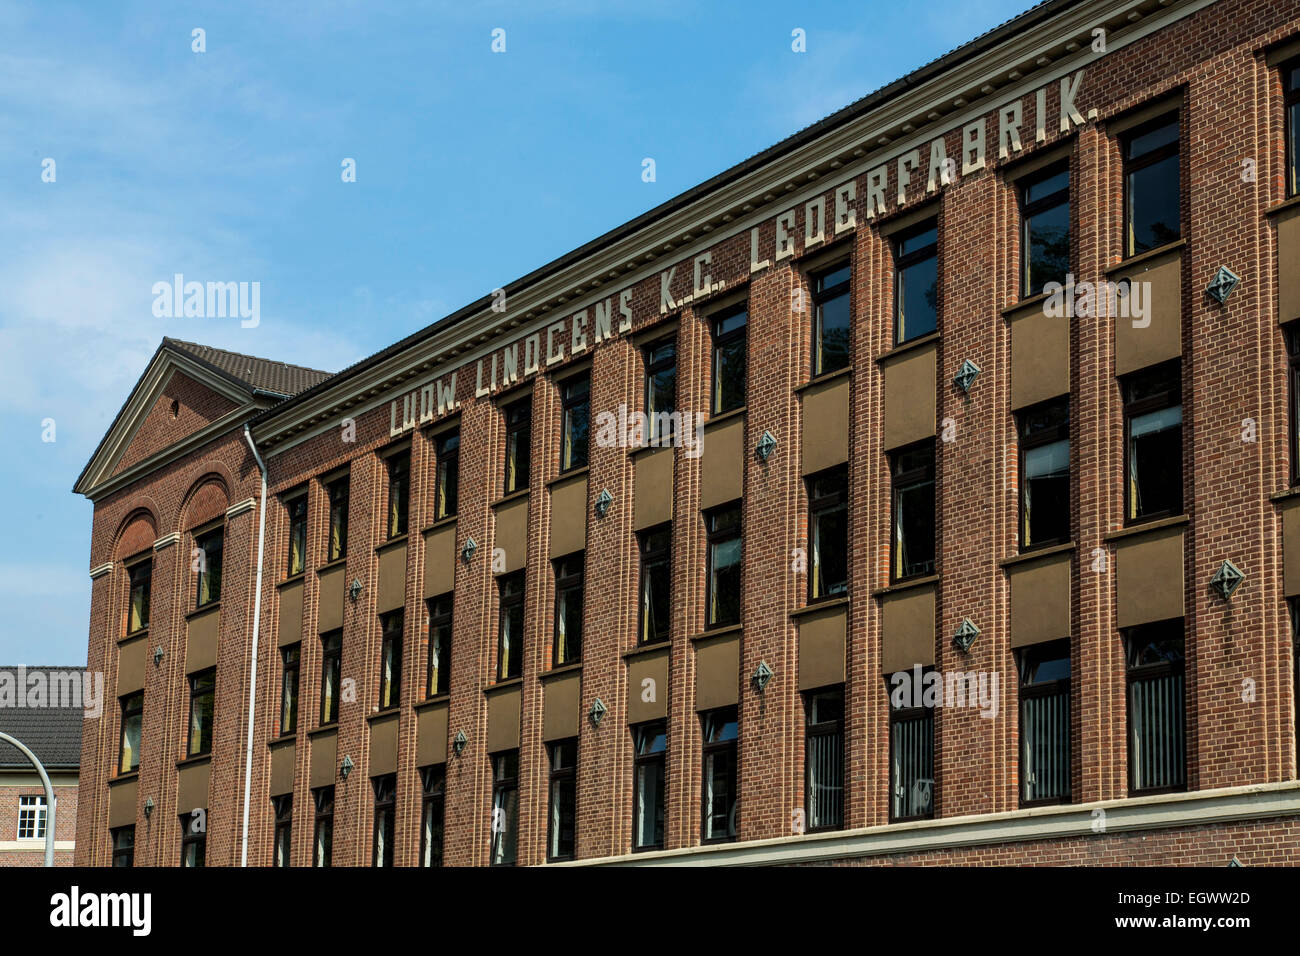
<point>289,715</point>
<point>442,614</point>
<point>144,568</point>
<point>568,582</point>
<point>1028,442</point>
<point>1292,333</point>
<point>295,508</point>
<point>566,774</point>
<point>40,813</point>
<point>722,340</point>
<point>649,731</point>
<point>390,643</point>
<point>433,782</point>
<point>384,788</point>
<point>1027,658</point>
<point>502,785</point>
<point>397,514</point>
<point>819,508</point>
<point>1147,672</point>
<point>190,837</point>
<point>650,558</point>
<point>282,807</point>
<point>714,538</point>
<point>204,575</point>
<point>1133,408</point>
<point>571,399</point>
<point>322,799</point>
<point>654,366</point>
<point>338,493</point>
<point>508,602</point>
<point>1290,97</point>
<point>1031,208</point>
<point>331,659</point>
<point>823,728</point>
<point>711,749</point>
<point>906,260</point>
<point>1129,166</point>
<point>819,297</point>
<point>446,477</point>
<point>518,419</point>
<point>195,693</point>
<point>900,481</point>
<point>898,715</point>
<point>122,852</point>
<point>127,712</point>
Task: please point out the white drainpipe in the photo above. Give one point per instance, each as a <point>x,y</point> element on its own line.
<point>252,669</point>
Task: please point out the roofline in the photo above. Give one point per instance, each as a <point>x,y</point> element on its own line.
<point>866,104</point>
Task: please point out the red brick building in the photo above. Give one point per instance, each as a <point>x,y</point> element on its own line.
<point>919,490</point>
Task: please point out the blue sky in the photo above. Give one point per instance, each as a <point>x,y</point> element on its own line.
<point>473,168</point>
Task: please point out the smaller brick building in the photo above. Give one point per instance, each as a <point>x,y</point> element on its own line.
<point>43,707</point>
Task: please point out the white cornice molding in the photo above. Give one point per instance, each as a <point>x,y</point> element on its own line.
<point>609,269</point>
<point>239,507</point>
<point>167,540</point>
<point>1198,808</point>
<point>101,570</point>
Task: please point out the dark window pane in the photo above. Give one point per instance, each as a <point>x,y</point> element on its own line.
<point>918,299</point>
<point>1047,241</point>
<point>1153,199</point>
<point>831,349</point>
<point>1156,462</point>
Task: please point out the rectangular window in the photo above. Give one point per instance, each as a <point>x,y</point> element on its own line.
<point>123,841</point>
<point>203,687</point>
<point>661,390</point>
<point>519,444</point>
<point>729,358</point>
<point>1291,95</point>
<point>385,819</point>
<point>297,509</point>
<point>399,493</point>
<point>656,584</point>
<point>568,609</point>
<point>141,575</point>
<point>916,288</point>
<point>505,807</point>
<point>719,816</point>
<point>824,761</point>
<point>32,813</point>
<point>1045,474</point>
<point>322,842</point>
<point>331,661</point>
<point>1157,757</point>
<point>1152,186</point>
<point>283,806</point>
<point>207,557</point>
<point>911,751</point>
<point>194,840</point>
<point>832,320</point>
<point>725,553</point>
<point>914,527</point>
<point>432,815</point>
<point>448,483</point>
<point>1295,661</point>
<point>651,743</point>
<point>563,817</point>
<point>291,657</point>
<point>1044,723</point>
<point>390,660</point>
<point>510,627</point>
<point>338,495</point>
<point>1153,431</point>
<point>132,718</point>
<point>1293,377</point>
<point>440,616</point>
<point>575,394</point>
<point>1045,225</point>
<point>828,534</point>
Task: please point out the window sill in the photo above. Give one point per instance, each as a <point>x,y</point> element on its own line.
<point>650,648</point>
<point>906,585</point>
<point>912,345</point>
<point>124,777</point>
<point>206,609</point>
<point>432,701</point>
<point>820,605</point>
<point>1156,524</point>
<point>441,523</point>
<point>722,631</point>
<point>381,714</point>
<point>569,476</point>
<point>133,636</point>
<point>726,416</point>
<point>667,441</point>
<point>503,500</point>
<point>391,543</point>
<point>505,684</point>
<point>845,372</point>
<point>194,760</point>
<point>330,565</point>
<point>561,669</point>
<point>1283,206</point>
<point>1025,304</point>
<point>293,579</point>
<point>1285,495</point>
<point>278,743</point>
<point>330,728</point>
<point>1024,557</point>
<point>1125,264</point>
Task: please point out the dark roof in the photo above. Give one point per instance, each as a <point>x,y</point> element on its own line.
<point>872,101</point>
<point>52,733</point>
<point>265,375</point>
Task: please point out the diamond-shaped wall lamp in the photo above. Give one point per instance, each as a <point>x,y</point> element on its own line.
<point>766,445</point>
<point>460,743</point>
<point>354,589</point>
<point>966,375</point>
<point>1221,286</point>
<point>762,674</point>
<point>1227,579</point>
<point>603,502</point>
<point>966,634</point>
<point>597,712</point>
<point>1234,861</point>
<point>346,767</point>
<point>148,807</point>
<point>467,552</point>
<point>157,655</point>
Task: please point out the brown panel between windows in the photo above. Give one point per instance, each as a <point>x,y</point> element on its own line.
<point>826,425</point>
<point>1291,548</point>
<point>722,462</point>
<point>324,756</point>
<point>908,626</point>
<point>563,705</point>
<point>332,585</point>
<point>1288,265</point>
<point>431,731</point>
<point>201,641</point>
<point>503,719</point>
<point>392,577</point>
<point>654,488</point>
<point>1149,577</point>
<point>291,613</point>
<point>821,647</point>
<point>383,746</point>
<point>568,516</point>
<point>1040,600</point>
<point>909,397</point>
<point>654,667</point>
<point>1040,356</point>
<point>439,560</point>
<point>1137,348</point>
<point>512,534</point>
<point>282,765</point>
<point>717,672</point>
<point>122,798</point>
<point>192,782</point>
<point>131,656</point>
